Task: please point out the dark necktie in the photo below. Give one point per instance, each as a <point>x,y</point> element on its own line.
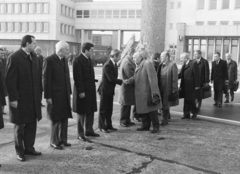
<point>29,57</point>
<point>116,68</point>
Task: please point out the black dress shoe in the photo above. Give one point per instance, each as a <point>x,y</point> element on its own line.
<point>154,131</point>
<point>54,146</point>
<point>194,116</point>
<point>219,105</point>
<point>93,134</point>
<point>215,104</point>
<point>142,129</point>
<point>185,117</point>
<point>232,98</point>
<point>226,101</point>
<point>82,138</point>
<point>136,119</point>
<point>34,152</point>
<point>131,124</point>
<point>104,130</point>
<point>124,125</point>
<point>164,124</point>
<point>65,144</point>
<point>113,129</point>
<point>21,158</point>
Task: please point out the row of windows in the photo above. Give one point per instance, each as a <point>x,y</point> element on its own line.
<point>172,5</point>
<point>108,13</point>
<point>67,11</point>
<point>24,8</point>
<point>67,29</point>
<point>213,4</point>
<point>217,23</point>
<point>24,27</point>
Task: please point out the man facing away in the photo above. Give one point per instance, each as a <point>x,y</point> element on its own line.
<point>106,91</point>
<point>232,76</point>
<point>219,77</point>
<point>189,85</point>
<point>84,93</point>
<point>203,67</point>
<point>57,91</point>
<point>24,93</point>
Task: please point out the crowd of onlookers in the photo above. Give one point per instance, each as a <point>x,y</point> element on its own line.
<point>149,84</point>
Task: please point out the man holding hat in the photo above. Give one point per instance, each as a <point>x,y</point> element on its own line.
<point>106,91</point>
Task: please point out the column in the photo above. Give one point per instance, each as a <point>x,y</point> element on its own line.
<point>181,40</point>
<point>153,24</point>
<point>119,39</point>
<point>82,36</point>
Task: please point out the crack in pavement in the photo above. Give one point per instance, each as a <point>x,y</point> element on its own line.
<point>152,158</point>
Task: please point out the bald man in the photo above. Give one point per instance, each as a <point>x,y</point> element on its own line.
<point>57,91</point>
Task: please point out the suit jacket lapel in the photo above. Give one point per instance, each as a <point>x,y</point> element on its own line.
<point>57,60</point>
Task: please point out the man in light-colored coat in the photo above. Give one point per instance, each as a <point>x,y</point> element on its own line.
<point>126,95</point>
<point>232,76</point>
<point>146,87</point>
<point>168,84</point>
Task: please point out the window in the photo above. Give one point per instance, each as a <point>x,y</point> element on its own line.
<point>66,29</point>
<point>100,13</point>
<point>2,8</point>
<point>237,4</point>
<point>93,13</point>
<point>138,13</point>
<point>62,28</point>
<point>24,27</point>
<point>45,7</point>
<point>73,11</point>
<point>224,22</point>
<point>38,27</point>
<point>16,27</point>
<point>31,8</point>
<point>199,23</point>
<point>9,8</point>
<point>70,30</point>
<point>236,22</point>
<point>9,27</point>
<point>200,4</point>
<point>89,35</point>
<point>3,26</point>
<point>210,49</point>
<point>171,5</point>
<point>86,14</point>
<point>70,12</point>
<point>115,13</point>
<point>225,4</point>
<point>38,8</point>
<point>73,31</point>
<point>211,22</point>
<point>179,5</point>
<point>66,11</point>
<point>63,9</point>
<point>170,26</point>
<point>23,8</point>
<point>79,13</point>
<point>45,27</point>
<point>123,13</point>
<point>16,8</point>
<point>31,27</point>
<point>213,4</point>
<point>108,13</point>
<point>131,13</point>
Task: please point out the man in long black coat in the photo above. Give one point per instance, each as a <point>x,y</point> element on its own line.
<point>24,93</point>
<point>189,86</point>
<point>219,77</point>
<point>106,91</point>
<point>2,101</point>
<point>203,67</point>
<point>84,93</point>
<point>57,91</point>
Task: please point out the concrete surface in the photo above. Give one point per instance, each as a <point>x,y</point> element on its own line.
<point>182,147</point>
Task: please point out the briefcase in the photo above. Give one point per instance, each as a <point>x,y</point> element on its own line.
<point>235,86</point>
<point>207,92</point>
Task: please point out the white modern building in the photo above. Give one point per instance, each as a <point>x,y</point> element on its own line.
<point>208,25</point>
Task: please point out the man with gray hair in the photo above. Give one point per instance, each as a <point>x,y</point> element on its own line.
<point>189,86</point>
<point>57,91</point>
<point>232,76</point>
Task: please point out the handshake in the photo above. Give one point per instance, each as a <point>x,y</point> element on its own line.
<point>129,81</point>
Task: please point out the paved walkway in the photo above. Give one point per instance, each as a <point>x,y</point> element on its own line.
<point>183,147</point>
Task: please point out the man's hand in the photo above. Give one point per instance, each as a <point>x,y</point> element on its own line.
<point>14,104</point>
<point>82,95</point>
<point>49,101</point>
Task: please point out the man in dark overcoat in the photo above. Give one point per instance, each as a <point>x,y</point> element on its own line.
<point>219,77</point>
<point>3,62</point>
<point>57,91</point>
<point>84,93</point>
<point>2,103</point>
<point>232,76</point>
<point>38,52</point>
<point>126,95</point>
<point>189,86</point>
<point>106,91</point>
<point>24,94</point>
<point>203,67</point>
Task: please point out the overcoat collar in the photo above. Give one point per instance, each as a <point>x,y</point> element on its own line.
<point>56,58</point>
<point>140,66</point>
